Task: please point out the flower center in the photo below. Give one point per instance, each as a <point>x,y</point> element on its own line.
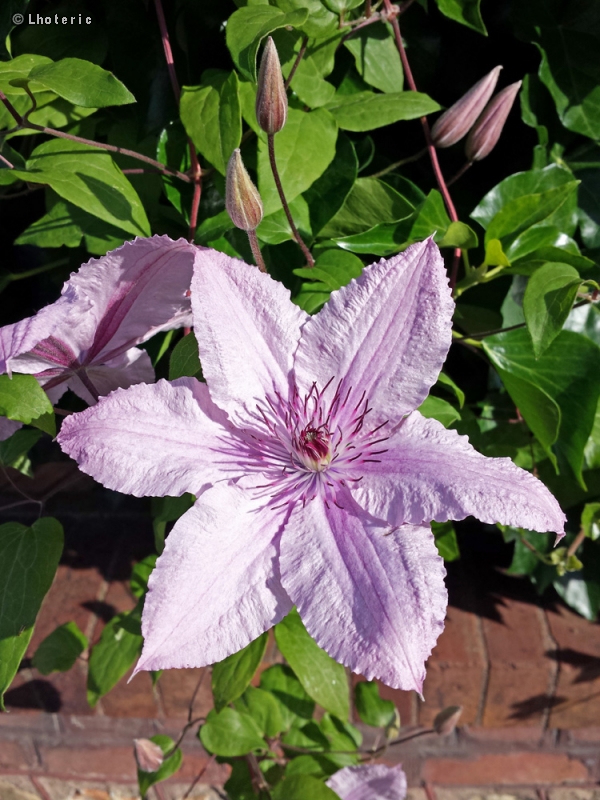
<point>314,447</point>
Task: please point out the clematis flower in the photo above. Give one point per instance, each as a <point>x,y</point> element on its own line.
<point>85,341</point>
<point>315,477</point>
<point>369,782</point>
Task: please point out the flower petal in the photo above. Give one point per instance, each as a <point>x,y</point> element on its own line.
<point>372,597</point>
<point>8,427</point>
<point>369,782</point>
<point>24,335</point>
<point>216,587</point>
<point>162,439</point>
<point>247,330</point>
<point>125,370</point>
<point>430,473</point>
<point>386,333</point>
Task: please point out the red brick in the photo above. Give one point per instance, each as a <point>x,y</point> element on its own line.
<point>522,735</point>
<point>135,699</point>
<point>90,762</point>
<point>456,669</point>
<point>177,686</point>
<point>17,756</point>
<point>193,762</point>
<point>504,769</point>
<point>520,673</point>
<point>577,702</point>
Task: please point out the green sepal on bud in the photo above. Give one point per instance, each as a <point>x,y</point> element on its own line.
<point>459,118</point>
<point>242,199</point>
<point>485,133</point>
<point>271,97</point>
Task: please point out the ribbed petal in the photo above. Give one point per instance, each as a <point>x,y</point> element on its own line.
<point>23,336</point>
<point>131,367</point>
<point>372,597</point>
<point>386,333</point>
<point>369,782</point>
<point>430,473</point>
<point>247,330</point>
<point>216,587</point>
<point>162,439</point>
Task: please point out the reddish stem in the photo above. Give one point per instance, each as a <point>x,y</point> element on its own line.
<point>196,170</point>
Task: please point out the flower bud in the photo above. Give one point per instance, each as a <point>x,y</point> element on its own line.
<point>242,199</point>
<point>456,121</point>
<point>148,755</point>
<point>446,720</point>
<point>485,133</point>
<point>271,97</point>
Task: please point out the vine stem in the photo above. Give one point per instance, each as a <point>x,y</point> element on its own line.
<point>307,254</point>
<point>260,263</point>
<point>196,170</point>
<point>296,63</point>
<point>435,164</point>
<point>25,123</point>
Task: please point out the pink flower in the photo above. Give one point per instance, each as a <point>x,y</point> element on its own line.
<point>316,478</point>
<point>85,341</point>
<point>369,782</point>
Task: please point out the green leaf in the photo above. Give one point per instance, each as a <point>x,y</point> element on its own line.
<point>170,765</point>
<point>447,381</point>
<point>376,57</point>
<point>589,207</point>
<point>264,709</point>
<point>248,26</point>
<point>581,594</point>
<point>28,561</point>
<point>22,398</point>
<point>547,302</point>
<point>59,651</point>
<point>55,229</point>
<point>212,116</point>
<point>138,583</point>
<point>17,70</point>
<point>467,12</point>
<point>81,83</point>
<point>119,646</point>
<point>445,540</point>
<point>323,678</point>
<point>328,193</point>
<point>459,235</point>
<point>436,408</point>
<point>333,269</point>
<point>184,359</point>
<point>90,179</point>
<point>366,110</point>
<point>341,6</point>
<point>303,151</point>
<point>590,520</point>
<point>557,394</point>
<point>369,203</point>
<point>275,228</point>
<point>231,676</point>
<point>230,733</point>
<point>372,709</point>
<point>320,23</point>
<point>294,701</point>
<point>301,787</point>
<point>13,449</point>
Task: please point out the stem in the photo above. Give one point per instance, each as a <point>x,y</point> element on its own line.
<point>296,62</point>
<point>460,173</point>
<point>196,171</point>
<point>368,9</point>
<point>38,270</point>
<point>6,161</point>
<point>256,251</point>
<point>198,776</point>
<point>400,163</point>
<point>575,543</point>
<point>307,254</point>
<point>373,18</point>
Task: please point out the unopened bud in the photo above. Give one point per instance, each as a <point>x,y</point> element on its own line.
<point>271,97</point>
<point>446,720</point>
<point>485,133</point>
<point>242,199</point>
<point>456,121</point>
<point>148,755</point>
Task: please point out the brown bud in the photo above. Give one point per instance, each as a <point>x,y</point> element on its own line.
<point>148,755</point>
<point>271,97</point>
<point>446,720</point>
<point>242,199</point>
<point>456,121</point>
<point>485,133</point>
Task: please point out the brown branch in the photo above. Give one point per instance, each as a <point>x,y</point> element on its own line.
<point>296,62</point>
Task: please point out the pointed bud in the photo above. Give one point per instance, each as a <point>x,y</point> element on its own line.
<point>456,121</point>
<point>242,199</point>
<point>485,133</point>
<point>271,97</point>
<point>446,720</point>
